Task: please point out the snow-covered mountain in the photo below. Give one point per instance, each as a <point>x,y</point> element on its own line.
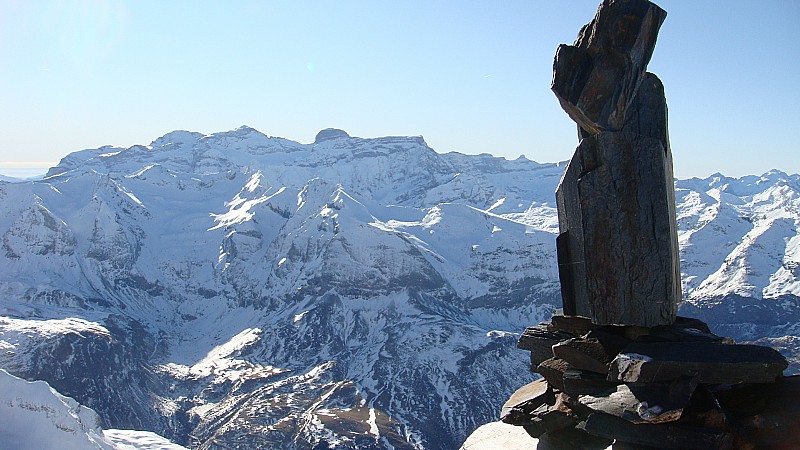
<point>242,290</point>
<point>740,256</point>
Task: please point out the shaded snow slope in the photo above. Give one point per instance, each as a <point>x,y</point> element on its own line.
<point>33,416</point>
<point>241,289</point>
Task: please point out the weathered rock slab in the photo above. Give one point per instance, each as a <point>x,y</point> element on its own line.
<point>712,363</point>
<point>683,330</point>
<point>551,418</point>
<point>669,436</point>
<point>618,258</point>
<point>539,340</point>
<point>585,354</point>
<point>597,78</point>
<point>651,403</point>
<point>525,400</point>
<point>617,245</point>
<point>766,415</point>
<point>572,324</point>
<point>572,438</point>
<point>553,372</point>
<point>583,382</point>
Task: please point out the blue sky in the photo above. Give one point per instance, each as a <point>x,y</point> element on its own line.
<point>469,76</point>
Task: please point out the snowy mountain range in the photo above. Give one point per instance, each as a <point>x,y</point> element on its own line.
<point>236,290</point>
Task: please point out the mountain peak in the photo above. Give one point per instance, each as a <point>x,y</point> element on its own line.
<point>177,137</point>
<point>329,134</point>
<point>245,129</point>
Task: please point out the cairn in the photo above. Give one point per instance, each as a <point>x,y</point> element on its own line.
<point>619,366</point>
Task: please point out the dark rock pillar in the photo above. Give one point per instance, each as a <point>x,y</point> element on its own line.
<point>617,247</point>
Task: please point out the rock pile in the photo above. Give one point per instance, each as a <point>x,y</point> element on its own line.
<point>673,386</point>
<point>618,365</point>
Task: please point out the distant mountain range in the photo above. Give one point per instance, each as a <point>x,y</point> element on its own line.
<point>236,289</point>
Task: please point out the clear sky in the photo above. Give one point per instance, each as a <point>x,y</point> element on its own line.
<point>469,76</point>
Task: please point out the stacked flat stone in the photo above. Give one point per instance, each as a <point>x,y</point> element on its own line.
<point>675,386</point>
<point>617,247</point>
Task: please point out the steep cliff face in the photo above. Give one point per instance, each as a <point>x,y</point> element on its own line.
<point>361,293</point>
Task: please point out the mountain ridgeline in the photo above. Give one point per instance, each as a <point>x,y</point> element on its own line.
<point>239,290</point>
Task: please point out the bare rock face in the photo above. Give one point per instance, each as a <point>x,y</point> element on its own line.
<point>617,248</point>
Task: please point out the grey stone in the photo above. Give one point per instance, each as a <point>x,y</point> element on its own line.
<point>551,418</point>
<point>612,339</point>
<point>525,400</point>
<point>569,243</point>
<point>657,435</point>
<point>712,363</point>
<point>705,411</point>
<point>584,354</point>
<point>583,382</point>
<point>682,333</point>
<point>768,415</point>
<point>539,340</point>
<point>570,439</point>
<point>650,403</point>
<point>647,114</point>
<point>572,324</point>
<point>553,371</point>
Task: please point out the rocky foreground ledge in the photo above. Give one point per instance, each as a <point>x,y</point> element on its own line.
<point>672,386</point>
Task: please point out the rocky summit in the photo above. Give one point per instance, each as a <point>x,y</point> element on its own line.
<point>237,290</point>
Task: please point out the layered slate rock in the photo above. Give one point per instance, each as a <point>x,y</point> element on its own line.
<point>586,354</point>
<point>617,247</point>
<point>662,436</point>
<point>669,386</point>
<point>526,400</point>
<point>553,371</point>
<point>767,414</point>
<point>653,362</point>
<point>645,403</point>
<point>539,340</point>
<point>585,382</point>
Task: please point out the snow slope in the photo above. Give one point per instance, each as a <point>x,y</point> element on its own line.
<point>33,416</point>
